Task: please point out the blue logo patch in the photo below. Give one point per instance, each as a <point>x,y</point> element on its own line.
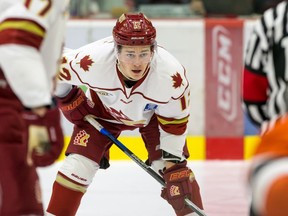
<point>150,107</point>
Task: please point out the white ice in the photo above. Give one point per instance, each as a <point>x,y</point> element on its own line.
<point>125,189</point>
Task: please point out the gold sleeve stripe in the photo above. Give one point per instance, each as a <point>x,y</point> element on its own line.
<point>172,121</point>
<point>66,183</point>
<point>24,25</point>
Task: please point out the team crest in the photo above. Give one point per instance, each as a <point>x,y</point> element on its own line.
<point>86,62</point>
<point>177,80</point>
<point>81,138</point>
<point>174,190</point>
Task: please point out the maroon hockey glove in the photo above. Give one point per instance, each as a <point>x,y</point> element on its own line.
<point>45,137</point>
<point>75,106</point>
<point>181,183</point>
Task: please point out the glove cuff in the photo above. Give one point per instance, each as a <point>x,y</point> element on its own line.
<point>70,96</point>
<point>75,97</point>
<point>175,167</point>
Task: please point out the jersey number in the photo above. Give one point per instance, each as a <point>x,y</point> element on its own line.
<point>185,100</point>
<point>41,11</point>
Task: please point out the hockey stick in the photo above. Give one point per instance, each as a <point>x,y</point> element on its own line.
<point>130,154</point>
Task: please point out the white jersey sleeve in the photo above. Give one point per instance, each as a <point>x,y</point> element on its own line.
<point>31,41</point>
<point>173,115</point>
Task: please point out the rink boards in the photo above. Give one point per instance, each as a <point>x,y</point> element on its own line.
<point>196,145</point>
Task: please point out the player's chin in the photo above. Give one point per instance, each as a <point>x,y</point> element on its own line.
<point>137,76</point>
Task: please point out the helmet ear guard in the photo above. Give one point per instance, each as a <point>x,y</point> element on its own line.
<point>134,29</point>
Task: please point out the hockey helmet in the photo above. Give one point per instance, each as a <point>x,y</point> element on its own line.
<point>134,29</point>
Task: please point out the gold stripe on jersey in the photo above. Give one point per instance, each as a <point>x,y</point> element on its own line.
<point>165,121</point>
<point>19,31</point>
<point>172,125</point>
<point>69,184</point>
<point>24,25</point>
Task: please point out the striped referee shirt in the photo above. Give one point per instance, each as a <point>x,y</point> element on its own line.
<point>265,76</point>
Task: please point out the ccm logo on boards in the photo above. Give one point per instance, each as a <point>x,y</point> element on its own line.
<point>225,74</point>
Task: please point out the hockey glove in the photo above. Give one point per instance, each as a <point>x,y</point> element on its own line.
<point>180,181</point>
<point>75,106</point>
<point>45,137</point>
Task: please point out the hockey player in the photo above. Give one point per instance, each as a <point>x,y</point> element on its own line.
<point>31,40</point>
<point>132,83</point>
<point>269,172</point>
<point>265,98</point>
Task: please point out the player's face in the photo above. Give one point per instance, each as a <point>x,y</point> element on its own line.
<point>133,61</point>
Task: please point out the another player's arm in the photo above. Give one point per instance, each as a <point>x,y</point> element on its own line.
<point>255,83</point>
<point>255,87</point>
<point>20,39</point>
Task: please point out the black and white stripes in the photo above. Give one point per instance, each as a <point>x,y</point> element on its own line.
<point>265,75</point>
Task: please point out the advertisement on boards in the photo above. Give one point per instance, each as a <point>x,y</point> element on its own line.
<point>223,73</point>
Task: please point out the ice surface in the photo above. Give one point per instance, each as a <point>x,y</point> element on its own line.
<point>125,189</point>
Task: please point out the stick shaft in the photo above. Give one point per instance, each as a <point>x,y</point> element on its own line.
<point>137,160</point>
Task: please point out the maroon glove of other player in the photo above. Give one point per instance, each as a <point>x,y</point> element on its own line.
<point>75,106</point>
<point>45,137</point>
<point>181,183</point>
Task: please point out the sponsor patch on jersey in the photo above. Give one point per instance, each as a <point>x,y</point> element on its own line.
<point>150,107</point>
<point>103,93</point>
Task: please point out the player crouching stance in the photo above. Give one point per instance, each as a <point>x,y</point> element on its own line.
<point>132,84</point>
<point>269,173</point>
